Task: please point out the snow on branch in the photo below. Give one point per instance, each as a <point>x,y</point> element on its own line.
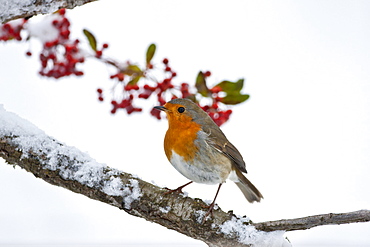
<point>23,144</point>
<point>15,9</point>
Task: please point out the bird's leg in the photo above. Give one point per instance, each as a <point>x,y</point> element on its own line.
<point>178,190</point>
<point>211,206</point>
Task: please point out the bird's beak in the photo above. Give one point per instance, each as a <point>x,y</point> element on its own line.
<point>161,108</point>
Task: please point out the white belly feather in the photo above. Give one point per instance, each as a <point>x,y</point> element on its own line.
<point>200,172</point>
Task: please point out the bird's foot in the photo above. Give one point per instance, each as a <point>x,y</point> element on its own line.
<point>211,207</point>
<point>177,190</point>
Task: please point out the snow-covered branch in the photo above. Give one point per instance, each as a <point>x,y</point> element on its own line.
<point>23,144</point>
<point>14,9</point>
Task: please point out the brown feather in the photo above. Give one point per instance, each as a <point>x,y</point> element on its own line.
<point>250,192</point>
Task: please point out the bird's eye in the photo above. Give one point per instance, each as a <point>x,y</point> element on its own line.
<point>181,109</point>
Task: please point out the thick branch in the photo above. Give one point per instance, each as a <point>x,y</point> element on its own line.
<point>11,11</point>
<point>138,198</point>
<point>23,144</point>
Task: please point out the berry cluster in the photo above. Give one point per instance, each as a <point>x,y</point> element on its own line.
<point>166,84</point>
<point>214,110</point>
<point>123,104</point>
<point>12,30</point>
<point>129,76</point>
<point>99,53</point>
<point>163,89</point>
<point>60,56</point>
<point>219,116</point>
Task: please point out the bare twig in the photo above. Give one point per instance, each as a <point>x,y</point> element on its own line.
<point>313,221</point>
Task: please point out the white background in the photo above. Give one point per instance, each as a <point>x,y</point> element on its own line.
<point>304,132</point>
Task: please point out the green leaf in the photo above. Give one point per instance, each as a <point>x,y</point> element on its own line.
<point>231,87</point>
<point>150,53</point>
<point>232,90</point>
<point>133,70</point>
<point>134,80</point>
<point>234,99</point>
<point>201,84</point>
<point>91,38</point>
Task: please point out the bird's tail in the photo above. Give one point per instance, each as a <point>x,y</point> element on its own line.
<point>250,192</point>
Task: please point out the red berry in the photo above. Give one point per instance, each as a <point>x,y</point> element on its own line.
<point>217,98</point>
<point>120,76</point>
<point>99,90</point>
<point>165,61</point>
<point>65,23</point>
<point>65,34</point>
<point>144,95</point>
<point>216,89</point>
<point>62,11</point>
<point>101,98</point>
<point>29,53</point>
<point>157,114</point>
<point>49,44</point>
<point>105,45</point>
<point>149,88</point>
<point>207,73</point>
<point>7,26</point>
<point>167,81</point>
<point>167,69</point>
<point>52,56</point>
<point>131,87</point>
<point>55,23</point>
<point>205,108</point>
<point>99,53</point>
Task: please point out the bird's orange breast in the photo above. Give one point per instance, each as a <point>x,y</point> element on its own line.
<point>180,138</point>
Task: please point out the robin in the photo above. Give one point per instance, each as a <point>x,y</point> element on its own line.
<point>200,151</point>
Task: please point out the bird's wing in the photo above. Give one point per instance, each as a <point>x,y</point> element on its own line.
<point>230,151</point>
<point>218,140</point>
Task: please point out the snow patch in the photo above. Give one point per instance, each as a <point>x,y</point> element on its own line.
<point>71,163</point>
<point>200,215</point>
<point>113,186</point>
<point>248,234</point>
<point>165,210</point>
<point>44,30</point>
<point>131,193</point>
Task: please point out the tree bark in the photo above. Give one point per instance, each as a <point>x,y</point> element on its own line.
<point>11,11</point>
<point>135,196</point>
